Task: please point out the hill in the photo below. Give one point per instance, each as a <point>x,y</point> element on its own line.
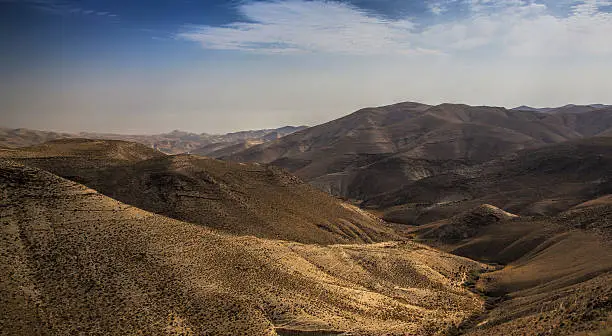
<point>68,157</point>
<point>216,150</point>
<point>80,262</point>
<point>174,142</point>
<point>245,199</point>
<point>21,137</point>
<point>540,181</point>
<point>406,142</point>
<point>570,108</point>
<point>557,274</point>
<point>111,150</point>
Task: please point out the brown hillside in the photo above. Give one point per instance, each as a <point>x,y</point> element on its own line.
<point>245,199</point>
<point>82,263</point>
<point>174,142</point>
<point>541,181</point>
<point>557,278</point>
<point>419,140</point>
<point>110,150</point>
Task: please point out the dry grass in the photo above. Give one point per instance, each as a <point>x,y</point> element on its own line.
<point>558,277</point>
<point>244,199</point>
<point>79,262</point>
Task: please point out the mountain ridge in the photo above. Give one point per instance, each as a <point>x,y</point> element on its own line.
<point>173,142</point>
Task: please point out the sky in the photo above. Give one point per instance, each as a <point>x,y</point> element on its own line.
<point>143,67</point>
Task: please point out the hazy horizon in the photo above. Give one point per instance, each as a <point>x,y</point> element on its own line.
<point>132,67</point>
<point>128,133</point>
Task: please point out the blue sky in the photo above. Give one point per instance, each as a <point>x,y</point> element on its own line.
<point>216,66</point>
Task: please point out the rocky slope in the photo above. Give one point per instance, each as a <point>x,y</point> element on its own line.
<point>557,274</point>
<point>541,181</point>
<point>245,199</point>
<point>79,262</point>
<point>401,143</point>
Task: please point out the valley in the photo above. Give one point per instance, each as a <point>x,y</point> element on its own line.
<point>406,219</point>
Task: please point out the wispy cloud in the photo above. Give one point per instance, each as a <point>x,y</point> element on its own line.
<point>62,7</point>
<point>306,27</point>
<point>515,27</point>
<point>527,28</point>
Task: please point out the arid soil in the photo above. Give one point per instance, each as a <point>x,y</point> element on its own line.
<point>79,262</point>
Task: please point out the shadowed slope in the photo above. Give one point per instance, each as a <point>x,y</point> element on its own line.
<point>374,151</point>
<point>80,262</point>
<point>558,274</point>
<point>562,284</point>
<point>246,199</point>
<point>417,157</point>
<point>239,198</point>
<point>542,181</point>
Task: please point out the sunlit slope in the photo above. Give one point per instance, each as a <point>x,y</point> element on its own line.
<point>557,277</point>
<point>247,199</point>
<point>79,262</point>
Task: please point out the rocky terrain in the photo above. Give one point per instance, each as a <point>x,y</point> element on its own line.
<point>456,220</point>
<point>541,181</point>
<point>242,199</point>
<point>414,163</point>
<point>557,274</point>
<point>79,262</point>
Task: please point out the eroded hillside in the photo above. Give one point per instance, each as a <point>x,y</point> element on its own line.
<point>556,277</point>
<point>80,262</point>
<point>245,199</point>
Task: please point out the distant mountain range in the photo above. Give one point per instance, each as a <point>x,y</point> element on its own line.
<point>416,163</point>
<point>567,108</point>
<point>174,142</point>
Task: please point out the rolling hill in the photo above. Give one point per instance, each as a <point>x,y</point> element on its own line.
<point>406,142</point>
<point>541,181</point>
<point>557,274</point>
<point>414,163</point>
<point>245,199</point>
<point>174,142</point>
<point>508,233</point>
<point>569,108</point>
<point>80,262</point>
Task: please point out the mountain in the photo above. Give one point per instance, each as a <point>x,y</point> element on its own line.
<point>588,122</point>
<point>570,108</point>
<point>256,250</point>
<point>21,137</point>
<point>83,150</point>
<point>494,222</point>
<point>244,199</point>
<point>532,109</point>
<point>414,163</point>
<point>82,262</point>
<point>177,142</point>
<point>79,262</point>
<point>174,142</point>
<point>372,150</point>
<point>540,181</point>
<point>222,149</point>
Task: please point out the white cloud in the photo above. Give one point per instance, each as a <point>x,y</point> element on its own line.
<point>307,27</point>
<point>437,8</point>
<point>515,27</point>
